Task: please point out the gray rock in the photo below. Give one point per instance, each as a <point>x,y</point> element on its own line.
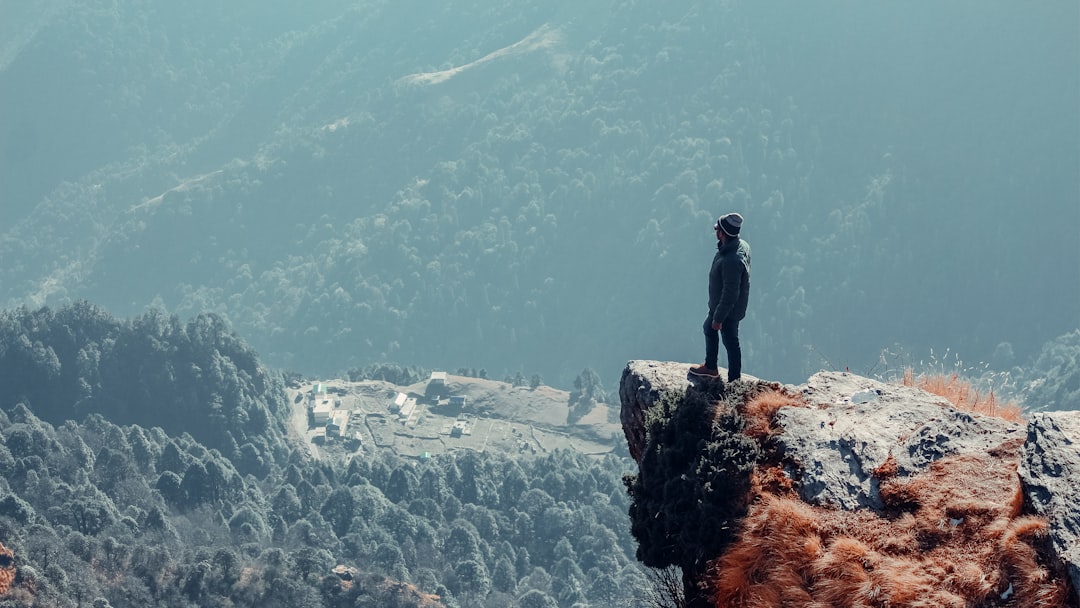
<point>852,426</point>
<point>1050,474</point>
<point>642,384</point>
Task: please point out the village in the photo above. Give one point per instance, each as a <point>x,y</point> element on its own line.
<point>443,414</point>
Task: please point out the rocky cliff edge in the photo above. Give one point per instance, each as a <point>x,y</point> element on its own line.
<point>848,491</point>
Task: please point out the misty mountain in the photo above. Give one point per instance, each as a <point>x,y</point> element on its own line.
<point>460,183</point>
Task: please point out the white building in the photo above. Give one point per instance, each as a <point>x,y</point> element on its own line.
<point>459,428</point>
<point>339,424</point>
<point>398,402</point>
<point>407,410</point>
<point>322,410</point>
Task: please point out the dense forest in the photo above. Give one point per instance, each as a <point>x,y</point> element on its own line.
<point>529,187</point>
<point>152,371</point>
<point>101,506</point>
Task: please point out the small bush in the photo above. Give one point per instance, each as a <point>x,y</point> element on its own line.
<point>693,483</point>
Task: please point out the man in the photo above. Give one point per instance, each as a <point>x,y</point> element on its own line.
<point>729,292</point>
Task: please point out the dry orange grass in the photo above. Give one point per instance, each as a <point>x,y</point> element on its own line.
<point>954,538</point>
<point>760,411</point>
<point>963,396</point>
<point>7,569</point>
<point>759,414</point>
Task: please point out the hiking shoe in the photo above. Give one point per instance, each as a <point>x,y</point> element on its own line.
<point>702,370</point>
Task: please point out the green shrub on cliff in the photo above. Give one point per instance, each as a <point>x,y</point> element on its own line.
<point>693,482</point>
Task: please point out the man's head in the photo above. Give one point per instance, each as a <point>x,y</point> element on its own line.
<point>728,226</point>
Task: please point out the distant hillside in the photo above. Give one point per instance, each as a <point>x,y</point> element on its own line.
<point>148,461</point>
<point>357,182</point>
<point>94,513</point>
<point>198,378</point>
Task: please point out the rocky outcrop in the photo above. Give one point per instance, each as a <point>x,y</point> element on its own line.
<point>1050,472</point>
<point>853,425</point>
<point>642,384</point>
<point>850,439</point>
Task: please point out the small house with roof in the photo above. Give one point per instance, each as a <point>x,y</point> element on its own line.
<point>322,410</point>
<point>461,427</point>
<point>398,402</point>
<point>338,425</point>
<point>407,410</point>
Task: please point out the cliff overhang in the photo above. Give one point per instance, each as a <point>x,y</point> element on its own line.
<point>981,509</point>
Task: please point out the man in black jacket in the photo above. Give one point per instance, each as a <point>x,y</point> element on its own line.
<point>729,292</point>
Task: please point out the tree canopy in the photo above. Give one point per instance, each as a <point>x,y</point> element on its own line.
<point>107,493</point>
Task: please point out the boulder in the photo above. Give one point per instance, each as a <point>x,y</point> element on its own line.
<point>642,384</point>
<point>854,424</point>
<point>852,431</point>
<point>1050,474</point>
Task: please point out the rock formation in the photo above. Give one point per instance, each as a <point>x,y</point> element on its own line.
<point>854,424</point>
<point>862,491</point>
<point>641,385</point>
<point>1050,472</point>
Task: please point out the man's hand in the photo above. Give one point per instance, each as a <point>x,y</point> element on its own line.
<point>717,326</point>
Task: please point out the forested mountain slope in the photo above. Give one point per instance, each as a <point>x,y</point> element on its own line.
<point>133,516</point>
<point>465,184</point>
<point>196,377</point>
<point>143,462</point>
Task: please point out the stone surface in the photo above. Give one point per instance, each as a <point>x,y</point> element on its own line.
<point>642,384</point>
<point>854,424</point>
<point>1050,474</point>
<point>851,425</point>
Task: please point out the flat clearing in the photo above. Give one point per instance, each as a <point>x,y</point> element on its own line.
<point>495,416</point>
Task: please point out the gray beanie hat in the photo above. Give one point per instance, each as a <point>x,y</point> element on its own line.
<point>730,223</point>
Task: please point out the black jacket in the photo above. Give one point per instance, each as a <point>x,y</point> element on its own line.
<point>729,281</point>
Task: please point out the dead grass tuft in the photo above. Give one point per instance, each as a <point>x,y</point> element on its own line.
<point>887,469</point>
<point>7,569</point>
<point>760,411</point>
<point>771,479</point>
<point>953,537</point>
<point>963,396</point>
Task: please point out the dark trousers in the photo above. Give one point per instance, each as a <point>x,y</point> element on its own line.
<point>729,333</point>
